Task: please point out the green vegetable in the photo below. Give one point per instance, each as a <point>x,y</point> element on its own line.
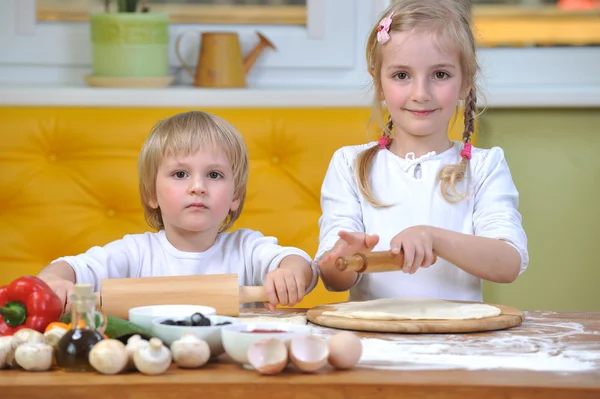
<point>116,327</point>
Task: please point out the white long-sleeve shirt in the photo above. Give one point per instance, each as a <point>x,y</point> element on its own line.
<point>245,252</point>
<point>412,186</point>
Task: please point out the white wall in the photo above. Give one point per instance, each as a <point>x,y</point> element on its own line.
<point>330,54</point>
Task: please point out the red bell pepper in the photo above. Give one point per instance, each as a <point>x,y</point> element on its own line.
<point>28,302</point>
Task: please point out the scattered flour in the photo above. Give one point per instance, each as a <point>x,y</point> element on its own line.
<point>537,346</point>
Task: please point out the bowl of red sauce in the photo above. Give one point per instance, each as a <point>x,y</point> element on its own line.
<point>238,337</point>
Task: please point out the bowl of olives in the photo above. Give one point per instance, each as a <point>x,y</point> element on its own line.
<point>206,327</point>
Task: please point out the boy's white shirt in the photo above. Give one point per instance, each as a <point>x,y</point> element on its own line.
<point>248,253</point>
<point>490,211</point>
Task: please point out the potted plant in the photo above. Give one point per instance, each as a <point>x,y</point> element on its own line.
<point>129,46</point>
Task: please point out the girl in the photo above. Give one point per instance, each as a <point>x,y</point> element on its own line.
<point>415,191</point>
<point>193,173</point>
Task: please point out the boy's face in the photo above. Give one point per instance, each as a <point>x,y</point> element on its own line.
<point>195,192</point>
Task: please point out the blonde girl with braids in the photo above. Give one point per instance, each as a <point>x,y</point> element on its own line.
<point>415,191</point>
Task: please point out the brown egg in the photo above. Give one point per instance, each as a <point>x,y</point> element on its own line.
<point>269,356</point>
<point>308,353</point>
<point>345,350</point>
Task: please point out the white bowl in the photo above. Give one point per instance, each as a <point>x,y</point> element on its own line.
<point>211,334</point>
<point>237,337</point>
<point>143,315</point>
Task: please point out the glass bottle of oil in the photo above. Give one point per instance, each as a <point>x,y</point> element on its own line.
<point>74,347</point>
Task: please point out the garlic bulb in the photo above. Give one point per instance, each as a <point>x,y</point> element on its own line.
<point>35,354</point>
<point>190,351</point>
<point>109,356</point>
<point>5,348</point>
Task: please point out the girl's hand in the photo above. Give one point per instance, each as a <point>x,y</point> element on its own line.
<point>349,244</point>
<point>417,245</point>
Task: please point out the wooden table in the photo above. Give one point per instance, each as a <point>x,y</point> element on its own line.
<point>553,341</point>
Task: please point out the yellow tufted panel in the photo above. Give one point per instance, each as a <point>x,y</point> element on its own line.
<point>69,178</point>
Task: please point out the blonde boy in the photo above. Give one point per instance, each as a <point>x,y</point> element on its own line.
<point>193,172</point>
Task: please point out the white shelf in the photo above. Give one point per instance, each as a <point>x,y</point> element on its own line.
<point>520,97</point>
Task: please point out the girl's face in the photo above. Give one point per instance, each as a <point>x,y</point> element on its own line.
<point>421,83</point>
<point>195,193</point>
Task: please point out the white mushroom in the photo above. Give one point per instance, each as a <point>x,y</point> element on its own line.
<point>52,337</point>
<point>5,348</point>
<point>133,343</point>
<point>19,338</point>
<point>35,354</point>
<point>152,359</point>
<point>23,335</point>
<point>190,351</point>
<point>108,356</point>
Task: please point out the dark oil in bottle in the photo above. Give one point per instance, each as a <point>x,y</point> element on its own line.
<point>74,347</point>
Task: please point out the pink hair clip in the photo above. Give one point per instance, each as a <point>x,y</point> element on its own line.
<point>383,29</point>
<point>466,151</point>
<point>384,141</point>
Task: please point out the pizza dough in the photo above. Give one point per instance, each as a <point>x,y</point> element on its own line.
<point>413,309</point>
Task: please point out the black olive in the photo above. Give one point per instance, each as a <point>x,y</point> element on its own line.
<point>223,323</point>
<point>198,319</point>
<point>169,322</point>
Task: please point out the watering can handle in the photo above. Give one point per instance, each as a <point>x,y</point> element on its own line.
<point>185,65</point>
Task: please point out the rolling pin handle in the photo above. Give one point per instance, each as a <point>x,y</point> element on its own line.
<point>363,262</point>
<point>252,294</point>
<point>357,263</point>
<point>341,264</point>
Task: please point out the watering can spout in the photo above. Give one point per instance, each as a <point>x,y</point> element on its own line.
<point>253,55</point>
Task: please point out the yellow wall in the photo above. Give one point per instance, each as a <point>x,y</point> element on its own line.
<point>553,157</point>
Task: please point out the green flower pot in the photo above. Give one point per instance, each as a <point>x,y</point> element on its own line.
<point>130,44</point>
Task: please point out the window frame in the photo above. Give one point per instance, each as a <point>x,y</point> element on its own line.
<point>323,43</point>
<point>198,13</point>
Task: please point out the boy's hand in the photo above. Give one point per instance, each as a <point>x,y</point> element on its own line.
<point>349,244</point>
<point>63,289</point>
<point>287,284</point>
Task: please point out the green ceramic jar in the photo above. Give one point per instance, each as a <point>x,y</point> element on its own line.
<point>130,44</point>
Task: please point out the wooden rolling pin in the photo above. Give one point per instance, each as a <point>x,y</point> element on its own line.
<point>372,262</point>
<point>220,291</point>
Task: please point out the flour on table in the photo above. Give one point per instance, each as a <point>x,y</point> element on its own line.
<point>413,309</point>
<point>535,345</point>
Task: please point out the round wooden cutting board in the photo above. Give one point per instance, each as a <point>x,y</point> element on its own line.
<point>510,317</point>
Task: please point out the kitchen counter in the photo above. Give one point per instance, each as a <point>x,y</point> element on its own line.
<point>551,355</point>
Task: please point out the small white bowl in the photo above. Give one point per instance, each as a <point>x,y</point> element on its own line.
<point>143,315</point>
<point>237,338</point>
<point>211,334</point>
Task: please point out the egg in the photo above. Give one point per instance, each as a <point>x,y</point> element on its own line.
<point>345,349</point>
<point>268,356</point>
<point>308,353</point>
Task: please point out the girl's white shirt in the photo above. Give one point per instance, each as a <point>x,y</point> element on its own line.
<point>411,185</point>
